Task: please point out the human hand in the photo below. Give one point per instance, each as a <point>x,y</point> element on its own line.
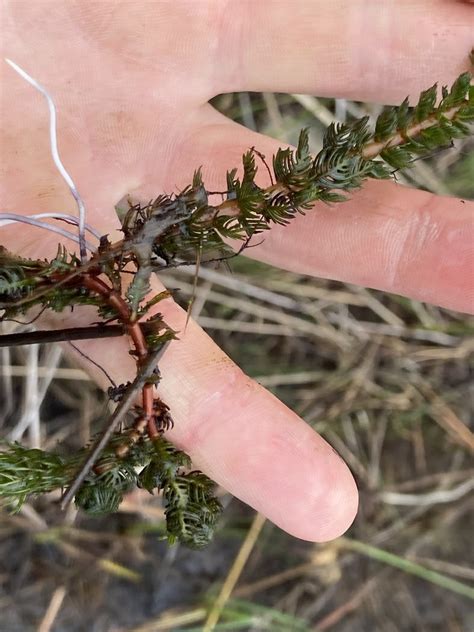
<point>131,84</point>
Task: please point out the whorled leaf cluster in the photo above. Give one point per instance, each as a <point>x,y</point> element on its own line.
<point>191,509</point>
<point>351,153</point>
<point>193,226</point>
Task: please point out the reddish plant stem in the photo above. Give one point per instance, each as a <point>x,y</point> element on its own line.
<point>113,298</point>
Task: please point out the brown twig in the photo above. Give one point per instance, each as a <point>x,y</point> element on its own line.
<point>46,336</point>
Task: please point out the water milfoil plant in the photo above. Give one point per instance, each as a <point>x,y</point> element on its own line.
<point>191,226</point>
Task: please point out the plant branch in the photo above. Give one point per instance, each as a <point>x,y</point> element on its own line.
<point>374,149</point>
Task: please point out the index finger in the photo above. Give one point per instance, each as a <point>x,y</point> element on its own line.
<point>240,434</point>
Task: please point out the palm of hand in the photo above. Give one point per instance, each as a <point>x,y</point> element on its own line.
<point>131,86</point>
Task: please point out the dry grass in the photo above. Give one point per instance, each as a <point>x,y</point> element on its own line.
<point>386,380</point>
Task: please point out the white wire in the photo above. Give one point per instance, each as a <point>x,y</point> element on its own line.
<point>13,217</point>
<point>64,216</point>
<point>55,153</point>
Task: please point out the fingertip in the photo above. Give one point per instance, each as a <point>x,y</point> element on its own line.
<point>329,512</point>
<point>315,497</point>
<point>268,457</point>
